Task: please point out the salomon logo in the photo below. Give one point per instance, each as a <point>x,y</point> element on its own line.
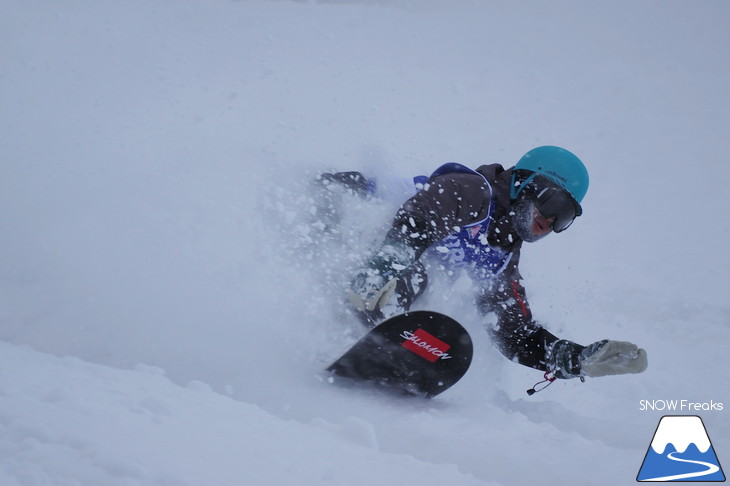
<point>425,345</point>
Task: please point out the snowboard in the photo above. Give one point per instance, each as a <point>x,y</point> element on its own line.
<point>420,353</point>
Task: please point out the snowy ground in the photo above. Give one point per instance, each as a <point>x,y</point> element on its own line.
<point>164,321</point>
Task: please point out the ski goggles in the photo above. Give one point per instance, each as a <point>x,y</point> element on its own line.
<point>551,201</point>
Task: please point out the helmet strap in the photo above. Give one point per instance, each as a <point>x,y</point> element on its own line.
<point>514,192</point>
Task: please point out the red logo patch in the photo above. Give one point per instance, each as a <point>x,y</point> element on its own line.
<point>425,345</point>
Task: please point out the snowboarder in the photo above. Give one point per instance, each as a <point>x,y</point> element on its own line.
<point>477,220</point>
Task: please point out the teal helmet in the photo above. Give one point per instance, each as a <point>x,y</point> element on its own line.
<point>557,164</point>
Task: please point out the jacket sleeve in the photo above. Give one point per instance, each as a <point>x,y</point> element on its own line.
<point>446,203</point>
<point>516,334</point>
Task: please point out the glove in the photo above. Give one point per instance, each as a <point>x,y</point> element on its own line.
<point>369,293</point>
<point>612,358</point>
<point>567,359</point>
<point>374,285</point>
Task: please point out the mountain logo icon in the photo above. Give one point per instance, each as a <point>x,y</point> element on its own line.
<point>681,451</point>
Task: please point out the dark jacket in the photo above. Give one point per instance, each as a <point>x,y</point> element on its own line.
<point>453,200</point>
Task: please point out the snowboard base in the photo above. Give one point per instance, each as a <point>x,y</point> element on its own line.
<point>419,353</point>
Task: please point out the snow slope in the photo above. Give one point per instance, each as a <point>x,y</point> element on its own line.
<point>72,422</point>
<point>165,316</point>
